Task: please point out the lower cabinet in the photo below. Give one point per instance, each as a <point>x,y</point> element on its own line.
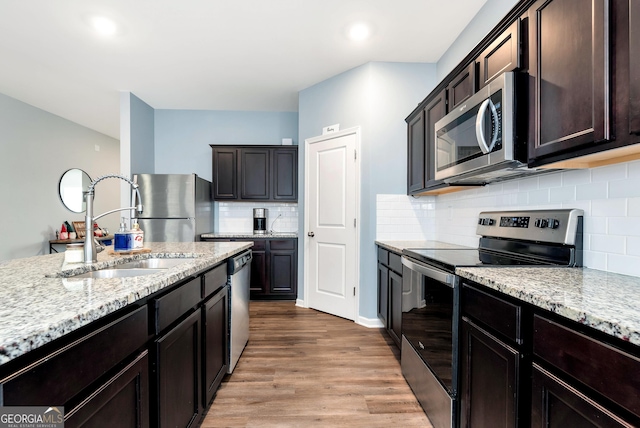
<point>123,401</point>
<point>390,293</point>
<point>274,267</point>
<point>215,323</point>
<point>489,379</point>
<point>177,375</point>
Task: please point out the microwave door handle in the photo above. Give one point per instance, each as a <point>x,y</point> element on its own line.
<point>482,141</point>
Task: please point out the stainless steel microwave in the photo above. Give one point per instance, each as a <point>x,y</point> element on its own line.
<point>475,143</point>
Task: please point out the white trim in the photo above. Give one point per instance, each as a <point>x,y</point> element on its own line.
<point>358,133</point>
<point>301,303</point>
<point>370,322</point>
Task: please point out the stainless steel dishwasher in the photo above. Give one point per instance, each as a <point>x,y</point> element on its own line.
<point>239,280</point>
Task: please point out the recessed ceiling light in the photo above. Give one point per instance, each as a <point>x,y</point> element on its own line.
<point>104,26</point>
<point>359,31</point>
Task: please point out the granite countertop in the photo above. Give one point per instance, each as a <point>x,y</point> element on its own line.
<point>398,246</point>
<point>40,303</point>
<point>250,235</point>
<point>605,301</point>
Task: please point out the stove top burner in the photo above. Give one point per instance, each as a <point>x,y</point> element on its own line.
<point>450,259</point>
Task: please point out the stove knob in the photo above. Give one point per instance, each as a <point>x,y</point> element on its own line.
<point>541,223</point>
<point>481,221</point>
<point>491,221</point>
<point>553,223</point>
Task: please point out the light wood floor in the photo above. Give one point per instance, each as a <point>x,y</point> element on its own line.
<point>305,368</point>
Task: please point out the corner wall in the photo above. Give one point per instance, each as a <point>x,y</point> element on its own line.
<point>37,148</point>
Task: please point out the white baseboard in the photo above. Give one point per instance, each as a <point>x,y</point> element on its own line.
<point>301,303</point>
<point>370,322</point>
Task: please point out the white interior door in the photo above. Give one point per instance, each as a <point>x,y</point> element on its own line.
<point>331,218</point>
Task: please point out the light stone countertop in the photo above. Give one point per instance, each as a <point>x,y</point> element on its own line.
<point>39,306</point>
<point>249,235</point>
<point>605,301</point>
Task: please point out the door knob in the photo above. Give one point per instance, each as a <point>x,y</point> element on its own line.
<point>311,234</point>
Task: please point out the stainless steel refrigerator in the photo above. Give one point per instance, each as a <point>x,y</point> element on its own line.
<point>176,207</point>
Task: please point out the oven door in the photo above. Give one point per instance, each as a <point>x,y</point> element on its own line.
<point>478,134</point>
<point>429,359</point>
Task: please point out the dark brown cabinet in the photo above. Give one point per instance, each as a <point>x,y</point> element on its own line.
<point>390,293</point>
<point>274,268</point>
<point>634,66</point>
<point>569,102</point>
<point>215,342</point>
<point>501,56</point>
<point>489,379</point>
<point>435,110</point>
<point>177,375</point>
<point>416,170</point>
<point>462,86</point>
<point>255,173</point>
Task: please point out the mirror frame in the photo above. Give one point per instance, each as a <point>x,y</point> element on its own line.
<point>68,204</point>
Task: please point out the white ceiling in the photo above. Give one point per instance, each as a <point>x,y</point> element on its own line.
<point>205,54</point>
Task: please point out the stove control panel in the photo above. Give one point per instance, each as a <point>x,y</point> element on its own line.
<point>556,226</point>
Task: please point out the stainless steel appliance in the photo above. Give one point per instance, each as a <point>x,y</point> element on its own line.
<point>431,294</point>
<point>177,207</point>
<point>239,269</point>
<point>476,143</point>
<point>260,221</point>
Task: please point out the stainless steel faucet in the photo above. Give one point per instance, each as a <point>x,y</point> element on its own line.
<point>90,244</point>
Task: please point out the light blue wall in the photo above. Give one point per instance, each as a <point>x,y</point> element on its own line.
<point>142,136</point>
<point>182,137</point>
<point>489,15</point>
<point>377,97</point>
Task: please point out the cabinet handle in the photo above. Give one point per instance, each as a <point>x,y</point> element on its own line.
<point>311,234</point>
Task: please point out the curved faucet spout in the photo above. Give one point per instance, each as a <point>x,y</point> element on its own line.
<point>90,252</point>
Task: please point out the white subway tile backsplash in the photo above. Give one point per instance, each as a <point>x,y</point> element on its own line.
<point>626,265</point>
<point>624,189</point>
<point>550,180</point>
<point>624,226</point>
<point>562,194</point>
<point>633,207</point>
<point>575,177</point>
<point>633,246</point>
<point>609,173</point>
<point>539,197</point>
<point>609,207</point>
<point>633,170</point>
<point>607,244</point>
<point>237,217</point>
<point>591,191</point>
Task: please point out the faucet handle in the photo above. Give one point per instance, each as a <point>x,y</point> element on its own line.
<point>99,246</point>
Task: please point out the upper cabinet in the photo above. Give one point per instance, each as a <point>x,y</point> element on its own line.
<point>462,86</point>
<point>416,167</point>
<point>569,101</point>
<point>634,67</point>
<point>255,173</point>
<point>502,55</point>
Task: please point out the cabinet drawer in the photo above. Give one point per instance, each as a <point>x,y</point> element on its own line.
<point>173,305</point>
<point>284,244</point>
<point>610,371</point>
<point>259,244</point>
<point>395,262</point>
<point>383,256</point>
<point>62,374</point>
<point>214,279</point>
<point>498,314</point>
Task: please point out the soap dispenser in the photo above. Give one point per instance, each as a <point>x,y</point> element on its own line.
<point>122,238</point>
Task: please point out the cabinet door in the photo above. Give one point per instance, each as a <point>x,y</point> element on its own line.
<point>178,375</point>
<point>489,377</point>
<point>462,86</point>
<point>416,154</point>
<point>259,279</point>
<point>283,272</point>
<point>634,66</point>
<point>383,294</point>
<point>122,401</point>
<point>285,174</point>
<point>395,306</point>
<point>215,344</point>
<point>569,76</point>
<point>555,404</point>
<point>225,173</point>
<point>501,56</point>
<point>254,173</point>
<point>433,112</point>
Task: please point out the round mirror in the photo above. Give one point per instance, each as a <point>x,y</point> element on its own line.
<point>73,184</point>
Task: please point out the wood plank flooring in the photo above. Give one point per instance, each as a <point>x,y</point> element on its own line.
<point>304,368</point>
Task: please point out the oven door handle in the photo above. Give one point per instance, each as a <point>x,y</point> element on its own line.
<point>433,273</point>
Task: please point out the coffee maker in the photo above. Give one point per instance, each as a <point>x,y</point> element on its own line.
<point>260,221</point>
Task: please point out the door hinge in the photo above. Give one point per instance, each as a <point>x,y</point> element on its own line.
<point>354,291</point>
<point>355,154</point>
<point>354,222</point>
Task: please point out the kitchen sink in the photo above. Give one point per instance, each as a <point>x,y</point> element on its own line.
<point>118,273</point>
<point>154,263</point>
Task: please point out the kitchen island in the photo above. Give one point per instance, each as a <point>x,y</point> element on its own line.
<point>91,343</point>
